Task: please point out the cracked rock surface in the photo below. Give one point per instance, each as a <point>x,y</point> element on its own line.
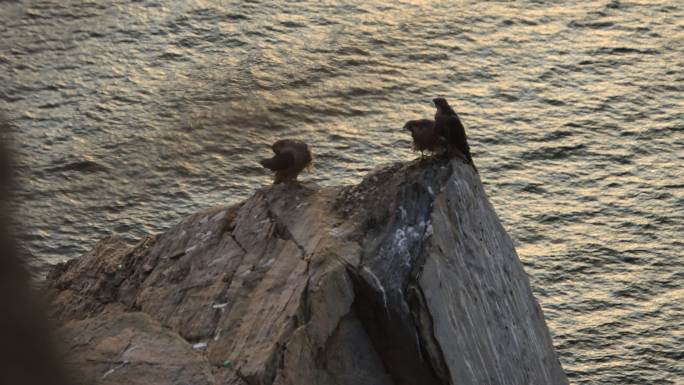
<point>406,278</point>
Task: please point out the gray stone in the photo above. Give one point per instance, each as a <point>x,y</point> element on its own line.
<point>406,278</point>
<point>130,348</point>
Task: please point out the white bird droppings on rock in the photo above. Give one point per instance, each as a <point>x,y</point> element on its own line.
<point>200,346</point>
<point>378,285</point>
<point>428,230</point>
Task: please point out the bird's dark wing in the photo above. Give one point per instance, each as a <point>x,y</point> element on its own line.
<point>455,132</point>
<point>458,139</point>
<point>279,162</point>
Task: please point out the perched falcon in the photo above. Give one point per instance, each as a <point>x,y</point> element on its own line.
<point>449,127</point>
<point>291,157</point>
<point>425,137</point>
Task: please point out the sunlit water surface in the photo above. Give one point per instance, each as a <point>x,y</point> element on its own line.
<point>133,114</point>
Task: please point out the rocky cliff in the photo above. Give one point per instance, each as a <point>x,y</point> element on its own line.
<point>406,278</point>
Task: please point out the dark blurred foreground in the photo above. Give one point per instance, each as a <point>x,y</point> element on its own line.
<point>27,356</point>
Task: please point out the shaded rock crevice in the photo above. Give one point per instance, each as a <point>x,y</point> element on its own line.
<point>237,242</point>
<point>406,278</point>
<point>388,268</point>
<point>280,230</point>
<point>424,324</point>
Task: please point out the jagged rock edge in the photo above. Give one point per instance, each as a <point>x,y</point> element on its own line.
<point>357,277</point>
<point>442,368</point>
<point>418,307</point>
<point>280,230</point>
<point>413,286</point>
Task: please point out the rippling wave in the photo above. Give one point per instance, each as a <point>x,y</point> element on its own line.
<point>131,114</point>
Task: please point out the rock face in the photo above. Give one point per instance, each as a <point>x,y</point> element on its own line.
<point>407,278</point>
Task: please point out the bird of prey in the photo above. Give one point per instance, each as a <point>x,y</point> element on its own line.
<point>425,137</point>
<point>449,127</point>
<point>291,157</point>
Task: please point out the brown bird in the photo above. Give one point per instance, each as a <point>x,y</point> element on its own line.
<point>291,157</point>
<point>449,127</point>
<point>425,137</point>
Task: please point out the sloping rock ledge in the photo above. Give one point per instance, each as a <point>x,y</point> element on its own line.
<point>406,278</point>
